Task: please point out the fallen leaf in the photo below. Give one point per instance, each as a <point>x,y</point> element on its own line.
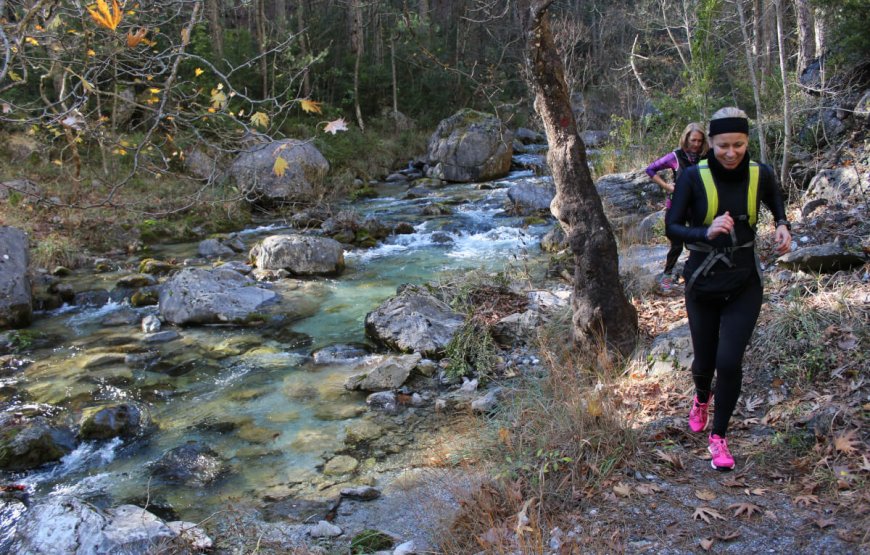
<point>279,167</point>
<point>745,508</point>
<point>728,536</point>
<point>847,442</point>
<point>805,500</point>
<point>133,39</point>
<point>705,494</point>
<point>733,483</point>
<point>706,513</point>
<point>647,489</point>
<point>672,458</point>
<point>755,491</point>
<point>6,108</point>
<point>198,71</point>
<point>824,523</point>
<point>752,403</point>
<point>865,464</point>
<point>848,343</point>
<point>622,490</point>
<point>706,543</point>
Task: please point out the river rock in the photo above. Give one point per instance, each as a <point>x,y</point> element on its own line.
<point>828,258</point>
<point>299,254</point>
<point>197,296</point>
<point>361,493</point>
<point>413,321</point>
<point>531,198</point>
<point>29,443</point>
<point>213,248</point>
<point>554,240</point>
<point>122,317</point>
<point>190,535</point>
<point>528,137</point>
<point>342,464</point>
<point>339,354</point>
<point>134,281</point>
<point>384,401</point>
<point>324,529</point>
<point>126,421</point>
<point>470,146</point>
<point>192,464</point>
<point>487,402</point>
<point>92,297</point>
<point>151,324</point>
<point>16,295</point>
<point>67,525</point>
<point>254,175</point>
<point>383,372</point>
<point>362,430</point>
<point>516,328</point>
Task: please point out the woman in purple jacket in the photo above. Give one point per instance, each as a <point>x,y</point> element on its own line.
<point>693,149</point>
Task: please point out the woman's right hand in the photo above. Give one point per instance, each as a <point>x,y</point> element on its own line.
<point>722,225</point>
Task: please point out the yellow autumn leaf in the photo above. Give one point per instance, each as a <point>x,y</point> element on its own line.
<point>260,119</point>
<point>57,162</point>
<point>219,100</point>
<point>105,17</point>
<point>279,167</point>
<point>310,106</point>
<point>91,52</point>
<point>153,90</point>
<point>198,71</point>
<point>31,40</point>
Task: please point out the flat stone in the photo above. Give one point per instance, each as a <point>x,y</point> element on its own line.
<point>342,464</point>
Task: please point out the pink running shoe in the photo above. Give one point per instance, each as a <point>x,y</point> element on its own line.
<point>698,414</point>
<point>722,459</point>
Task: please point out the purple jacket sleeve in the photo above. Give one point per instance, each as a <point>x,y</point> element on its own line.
<point>666,162</point>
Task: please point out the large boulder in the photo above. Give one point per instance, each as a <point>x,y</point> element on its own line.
<point>219,296</point>
<point>16,296</point>
<point>845,185</point>
<point>27,443</point>
<point>254,172</point>
<point>528,198</point>
<point>67,525</point>
<point>470,146</point>
<point>628,197</point>
<point>299,254</point>
<point>413,321</point>
<point>383,372</point>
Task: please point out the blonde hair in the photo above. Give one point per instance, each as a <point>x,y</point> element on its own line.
<point>687,132</point>
<point>729,112</point>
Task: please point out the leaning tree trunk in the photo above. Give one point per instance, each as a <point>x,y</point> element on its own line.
<point>601,310</point>
<point>756,91</point>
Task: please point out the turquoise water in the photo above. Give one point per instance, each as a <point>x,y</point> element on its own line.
<point>257,399</point>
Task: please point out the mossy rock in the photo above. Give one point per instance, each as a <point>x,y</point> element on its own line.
<point>370,541</point>
<point>534,220</point>
<point>145,297</point>
<point>156,267</point>
<point>363,193</point>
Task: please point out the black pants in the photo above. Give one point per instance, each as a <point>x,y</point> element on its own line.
<point>720,334</point>
<point>673,255</point>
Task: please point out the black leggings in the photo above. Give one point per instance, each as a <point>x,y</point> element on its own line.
<point>673,255</point>
<point>720,334</point>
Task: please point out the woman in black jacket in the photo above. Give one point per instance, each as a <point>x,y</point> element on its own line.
<point>723,277</point>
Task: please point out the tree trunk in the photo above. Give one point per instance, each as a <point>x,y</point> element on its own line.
<point>756,92</point>
<point>821,41</point>
<point>806,44</point>
<point>395,83</point>
<point>262,40</point>
<point>303,47</point>
<point>602,313</point>
<point>786,101</point>
<point>213,9</point>
<point>356,40</point>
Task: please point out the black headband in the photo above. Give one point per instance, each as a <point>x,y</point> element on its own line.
<point>729,125</point>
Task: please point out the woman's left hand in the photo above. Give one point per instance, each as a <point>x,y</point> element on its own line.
<point>783,240</point>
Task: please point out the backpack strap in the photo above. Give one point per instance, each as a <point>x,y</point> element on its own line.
<point>713,196</point>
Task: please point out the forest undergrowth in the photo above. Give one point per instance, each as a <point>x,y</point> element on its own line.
<point>595,455</point>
